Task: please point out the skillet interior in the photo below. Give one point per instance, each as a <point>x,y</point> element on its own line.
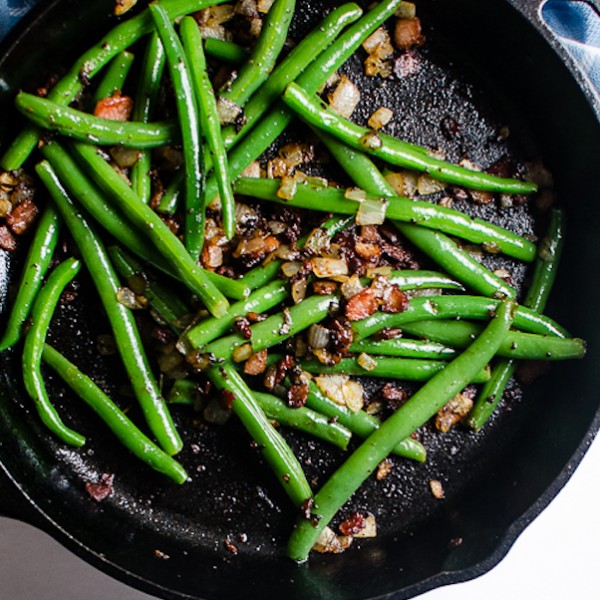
<point>491,479</point>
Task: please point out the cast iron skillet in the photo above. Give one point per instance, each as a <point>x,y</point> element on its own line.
<point>169,540</point>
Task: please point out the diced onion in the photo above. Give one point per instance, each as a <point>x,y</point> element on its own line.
<point>427,185</point>
<point>287,189</point>
<point>127,298</point>
<point>369,529</point>
<point>380,118</point>
<point>318,336</point>
<point>372,212</point>
<point>228,111</point>
<point>345,98</point>
<point>371,141</point>
<point>242,353</point>
<point>351,286</point>
<point>366,361</point>
<point>329,267</point>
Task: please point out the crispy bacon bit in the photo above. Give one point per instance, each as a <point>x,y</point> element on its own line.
<point>481,198</point>
<point>7,239</point>
<point>362,305</point>
<point>436,489</point>
<point>114,108</point>
<point>226,399</point>
<point>393,395</point>
<point>257,363</point>
<point>229,546</point>
<point>297,395</point>
<point>242,325</point>
<point>22,216</point>
<point>408,33</point>
<point>453,412</point>
<point>101,489</point>
<point>394,300</point>
<point>341,335</point>
<point>255,317</point>
<point>352,524</point>
<point>384,469</point>
<point>367,250</point>
<point>306,507</point>
<point>324,288</point>
<point>388,333</point>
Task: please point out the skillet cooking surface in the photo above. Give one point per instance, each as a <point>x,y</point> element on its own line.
<point>173,537</point>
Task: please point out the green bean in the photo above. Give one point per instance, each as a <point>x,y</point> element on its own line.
<point>157,231</point>
<point>410,416</point>
<point>226,51</point>
<point>439,247</point>
<point>87,128</point>
<point>425,214</point>
<point>122,321</point>
<point>169,201</point>
<point>517,345</point>
<point>422,280</point>
<point>200,334</point>
<point>189,123</point>
<point>209,120</point>
<point>312,109</point>
<point>304,419</point>
<point>36,265</point>
<point>292,66</point>
<point>273,447</point>
<point>266,131</point>
<point>404,348</point>
<point>451,307</point>
<point>143,108</point>
<point>274,329</point>
<point>408,369</point>
<point>264,55</point>
<point>115,76</point>
<point>360,423</point>
<point>543,278</point>
<point>164,301</point>
<point>41,315</point>
<point>118,39</point>
<point>125,430</point>
<point>183,391</point>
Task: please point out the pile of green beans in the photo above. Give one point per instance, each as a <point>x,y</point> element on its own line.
<point>139,231</point>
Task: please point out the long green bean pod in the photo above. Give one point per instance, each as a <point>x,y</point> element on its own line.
<point>405,348</point>
<point>360,423</point>
<point>151,225</point>
<point>207,330</point>
<point>90,63</point>
<point>124,328</point>
<point>264,55</point>
<point>544,274</point>
<point>41,315</point>
<point>439,247</point>
<point>88,128</point>
<point>393,151</point>
<point>209,120</point>
<point>125,430</point>
<point>189,123</point>
<point>36,265</point>
<point>143,109</point>
<point>405,210</point>
<point>409,417</point>
<point>273,447</point>
<point>226,51</point>
<point>291,67</point>
<point>453,307</point>
<point>304,419</point>
<point>517,345</point>
<point>274,329</point>
<point>407,369</point>
<point>115,76</point>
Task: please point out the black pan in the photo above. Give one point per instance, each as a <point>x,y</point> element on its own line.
<point>486,64</point>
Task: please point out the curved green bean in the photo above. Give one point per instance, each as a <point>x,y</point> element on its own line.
<point>407,369</point>
<point>189,124</point>
<point>124,328</point>
<point>41,315</point>
<point>36,265</point>
<point>87,66</point>
<point>409,417</point>
<point>264,55</point>
<point>273,447</point>
<point>125,430</point>
<point>439,247</point>
<point>425,214</point>
<point>312,109</point>
<point>143,108</point>
<point>115,76</point>
<point>151,225</point>
<point>87,128</point>
<point>209,120</point>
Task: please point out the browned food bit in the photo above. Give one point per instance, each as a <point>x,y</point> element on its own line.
<point>453,412</point>
<point>114,108</point>
<point>257,363</point>
<point>353,524</point>
<point>437,489</point>
<point>408,33</point>
<point>22,216</point>
<point>362,305</point>
<point>101,489</point>
<point>7,239</point>
<point>393,395</point>
<point>297,395</point>
<point>384,469</point>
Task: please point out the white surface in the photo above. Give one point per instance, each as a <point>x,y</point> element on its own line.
<point>557,557</point>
